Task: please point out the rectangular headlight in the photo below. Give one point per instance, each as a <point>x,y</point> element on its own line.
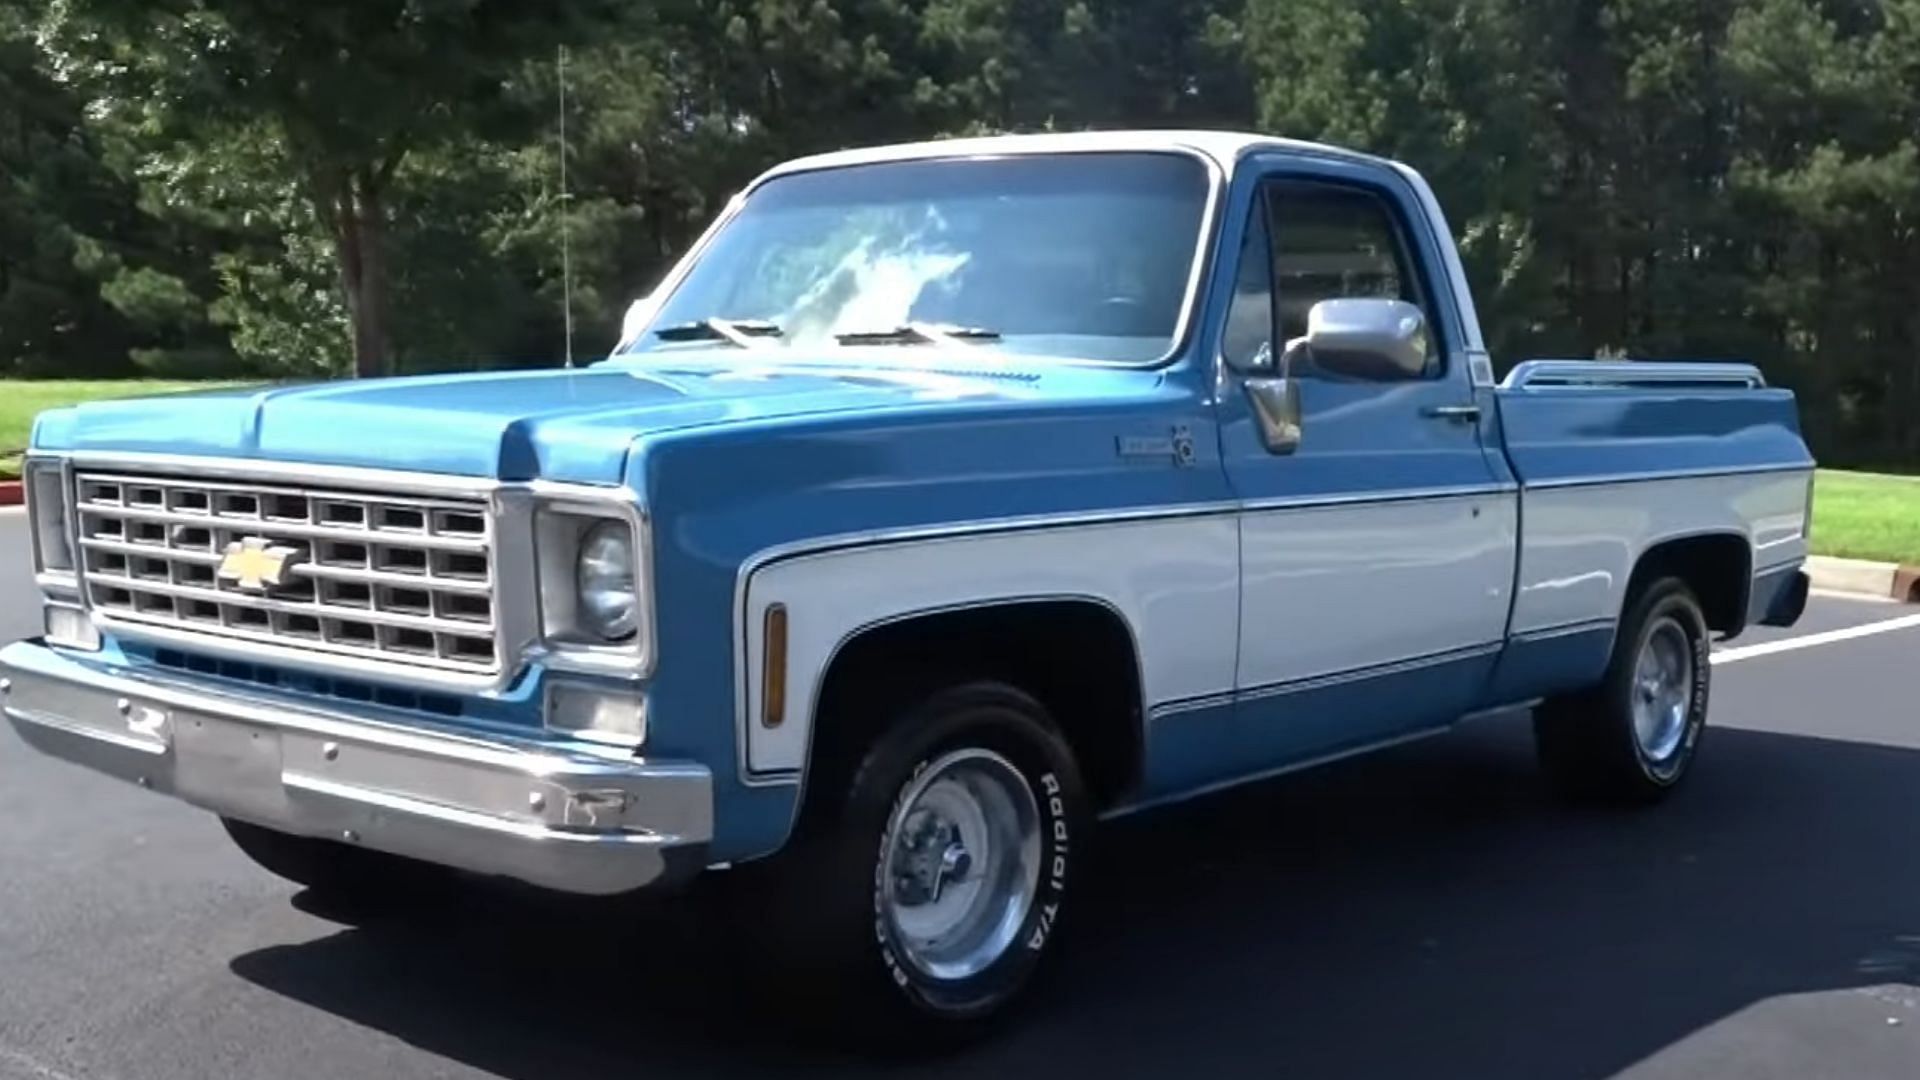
<point>596,603</point>
<point>46,490</point>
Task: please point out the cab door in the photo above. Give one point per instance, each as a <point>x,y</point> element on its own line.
<point>1376,550</point>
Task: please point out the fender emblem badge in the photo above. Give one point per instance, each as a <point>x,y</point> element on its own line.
<point>1176,445</point>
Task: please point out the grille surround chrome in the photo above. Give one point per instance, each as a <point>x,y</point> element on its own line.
<point>387,576</point>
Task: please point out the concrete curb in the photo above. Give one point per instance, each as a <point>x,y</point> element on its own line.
<point>11,493</point>
<point>1865,578</point>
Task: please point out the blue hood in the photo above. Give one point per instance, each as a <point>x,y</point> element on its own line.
<point>558,425</point>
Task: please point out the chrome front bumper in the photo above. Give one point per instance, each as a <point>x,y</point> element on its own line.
<point>573,821</point>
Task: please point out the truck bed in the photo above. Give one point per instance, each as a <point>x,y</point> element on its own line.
<point>1613,459</point>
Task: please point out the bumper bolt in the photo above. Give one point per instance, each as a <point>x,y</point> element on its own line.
<point>331,751</point>
<point>537,801</point>
<point>125,706</point>
<point>144,782</point>
<point>350,836</point>
<point>6,686</point>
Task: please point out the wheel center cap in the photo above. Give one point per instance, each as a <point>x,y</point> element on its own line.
<point>955,862</point>
<point>936,857</point>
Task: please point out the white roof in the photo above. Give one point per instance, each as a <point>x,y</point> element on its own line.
<point>1224,148</point>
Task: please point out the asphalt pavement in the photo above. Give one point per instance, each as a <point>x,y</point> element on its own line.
<point>1425,912</point>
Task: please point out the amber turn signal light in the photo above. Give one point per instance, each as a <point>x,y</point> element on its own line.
<point>773,669</point>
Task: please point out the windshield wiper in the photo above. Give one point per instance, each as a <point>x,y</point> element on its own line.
<point>741,332</point>
<point>917,333</point>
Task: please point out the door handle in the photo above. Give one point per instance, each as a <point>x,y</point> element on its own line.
<point>1464,414</point>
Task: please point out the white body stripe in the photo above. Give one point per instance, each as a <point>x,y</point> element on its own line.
<point>1328,588</point>
<point>1331,589</point>
<point>1175,581</point>
<point>1579,544</point>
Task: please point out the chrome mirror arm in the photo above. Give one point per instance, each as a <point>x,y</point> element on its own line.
<point>1275,398</point>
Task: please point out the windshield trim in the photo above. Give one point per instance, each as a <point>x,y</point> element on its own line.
<point>1189,304</point>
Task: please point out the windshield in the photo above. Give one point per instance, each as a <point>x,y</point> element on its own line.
<point>1085,256</point>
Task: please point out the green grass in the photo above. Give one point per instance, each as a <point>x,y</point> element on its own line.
<point>23,399</point>
<point>1867,516</point>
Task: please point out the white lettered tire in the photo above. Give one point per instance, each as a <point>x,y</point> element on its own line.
<point>1633,738</point>
<point>932,890</point>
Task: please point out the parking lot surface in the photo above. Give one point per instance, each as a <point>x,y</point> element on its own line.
<point>1428,912</point>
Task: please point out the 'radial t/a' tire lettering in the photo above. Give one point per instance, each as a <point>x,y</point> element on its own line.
<point>933,889</point>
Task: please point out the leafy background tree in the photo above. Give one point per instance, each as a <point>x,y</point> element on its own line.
<point>240,186</point>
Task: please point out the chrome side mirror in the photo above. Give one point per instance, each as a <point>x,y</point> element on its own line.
<point>1367,339</point>
<point>1360,338</point>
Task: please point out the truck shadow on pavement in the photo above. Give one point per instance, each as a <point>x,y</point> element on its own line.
<point>1427,911</point>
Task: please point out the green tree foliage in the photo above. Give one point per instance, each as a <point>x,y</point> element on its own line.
<point>68,227</point>
<point>340,185</point>
<point>324,101</point>
<point>1652,177</point>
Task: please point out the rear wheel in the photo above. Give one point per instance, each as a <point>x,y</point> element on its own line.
<point>1633,737</point>
<point>929,890</point>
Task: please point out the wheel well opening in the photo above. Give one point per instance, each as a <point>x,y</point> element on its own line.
<point>1718,568</point>
<point>1076,657</point>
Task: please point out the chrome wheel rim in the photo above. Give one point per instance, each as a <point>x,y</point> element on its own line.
<point>1662,691</point>
<point>960,864</point>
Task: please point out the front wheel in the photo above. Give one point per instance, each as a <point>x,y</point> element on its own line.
<point>932,887</point>
<point>1633,737</point>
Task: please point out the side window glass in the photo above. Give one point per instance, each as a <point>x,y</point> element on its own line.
<point>1332,242</point>
<point>1249,329</point>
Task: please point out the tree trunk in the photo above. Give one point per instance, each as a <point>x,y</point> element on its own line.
<point>372,343</point>
<point>353,207</point>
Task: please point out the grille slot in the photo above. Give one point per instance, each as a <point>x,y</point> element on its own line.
<point>365,574</point>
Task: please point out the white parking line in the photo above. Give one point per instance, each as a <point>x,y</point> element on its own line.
<point>1808,641</point>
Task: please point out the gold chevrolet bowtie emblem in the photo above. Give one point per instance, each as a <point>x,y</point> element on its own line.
<point>257,564</point>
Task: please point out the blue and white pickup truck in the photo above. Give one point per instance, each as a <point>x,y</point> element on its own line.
<point>943,500</point>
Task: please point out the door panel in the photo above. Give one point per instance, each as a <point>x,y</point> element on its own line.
<point>1333,589</point>
<point>1380,550</point>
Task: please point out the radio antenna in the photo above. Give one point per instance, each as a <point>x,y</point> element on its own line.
<point>566,210</point>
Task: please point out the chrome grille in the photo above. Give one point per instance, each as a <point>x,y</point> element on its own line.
<point>365,574</point>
